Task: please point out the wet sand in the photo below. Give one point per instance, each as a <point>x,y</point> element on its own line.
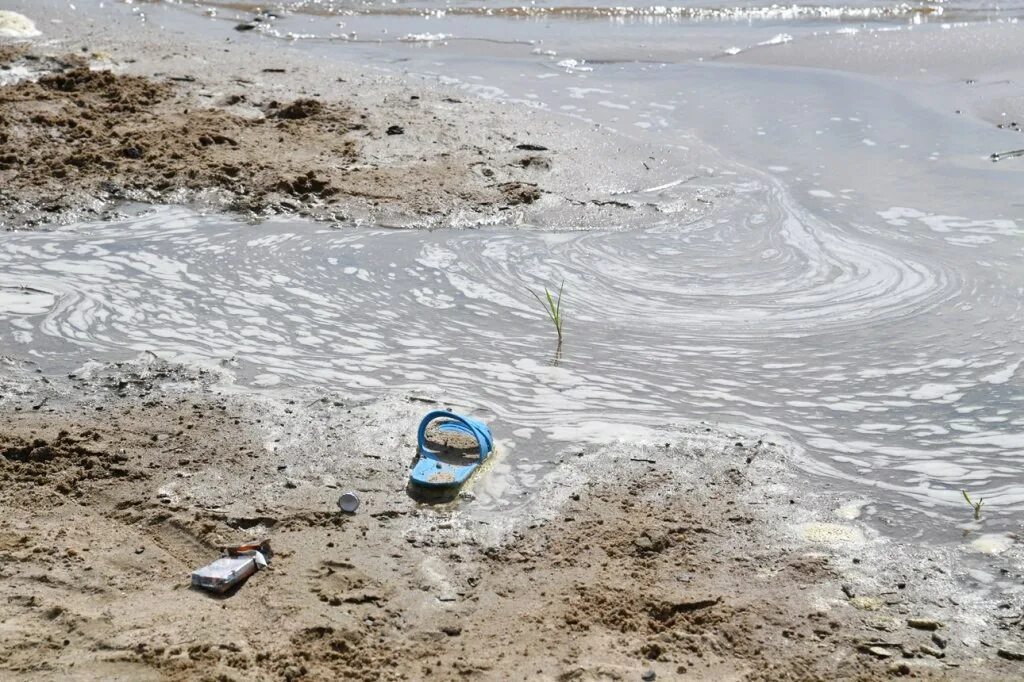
<point>674,557</point>
<point>259,131</point>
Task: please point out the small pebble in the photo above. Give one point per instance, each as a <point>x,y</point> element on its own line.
<point>924,623</point>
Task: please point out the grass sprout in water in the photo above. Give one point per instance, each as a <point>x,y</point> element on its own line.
<point>553,307</point>
<point>976,506</point>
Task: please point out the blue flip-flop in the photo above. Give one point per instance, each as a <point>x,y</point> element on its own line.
<point>433,469</point>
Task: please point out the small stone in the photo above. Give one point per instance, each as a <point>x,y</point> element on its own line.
<point>932,651</point>
<point>848,591</point>
<point>899,669</point>
<point>140,550</point>
<point>939,640</point>
<point>648,675</point>
<point>395,130</point>
<point>880,652</point>
<point>290,483</point>
<point>1011,654</point>
<point>924,624</point>
<point>884,623</point>
<point>644,543</point>
<point>866,603</point>
<point>452,630</point>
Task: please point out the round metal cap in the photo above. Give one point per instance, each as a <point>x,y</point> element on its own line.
<point>348,502</point>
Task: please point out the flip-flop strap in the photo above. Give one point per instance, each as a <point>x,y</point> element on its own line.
<point>456,422</point>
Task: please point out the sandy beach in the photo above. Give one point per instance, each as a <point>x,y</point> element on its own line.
<point>695,549</point>
<point>675,558</point>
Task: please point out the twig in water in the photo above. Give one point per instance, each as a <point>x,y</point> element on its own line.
<point>1006,155</point>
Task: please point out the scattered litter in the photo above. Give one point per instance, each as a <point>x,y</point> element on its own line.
<point>349,503</point>
<point>450,461</point>
<point>227,572</point>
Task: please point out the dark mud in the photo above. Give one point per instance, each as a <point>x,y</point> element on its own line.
<point>78,141</point>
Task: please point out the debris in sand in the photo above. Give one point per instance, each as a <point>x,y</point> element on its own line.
<point>349,503</point>
<point>225,573</point>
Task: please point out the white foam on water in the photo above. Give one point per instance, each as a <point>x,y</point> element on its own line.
<point>14,25</point>
<point>24,301</point>
<point>991,543</point>
<point>425,37</point>
<point>577,65</point>
<point>780,39</point>
<point>1004,375</point>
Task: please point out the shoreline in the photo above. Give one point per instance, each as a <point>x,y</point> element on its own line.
<point>692,552</point>
<point>95,119</point>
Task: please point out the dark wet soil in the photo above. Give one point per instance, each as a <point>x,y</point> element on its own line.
<point>77,141</point>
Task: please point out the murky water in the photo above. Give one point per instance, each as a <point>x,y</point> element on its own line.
<point>855,289</point>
